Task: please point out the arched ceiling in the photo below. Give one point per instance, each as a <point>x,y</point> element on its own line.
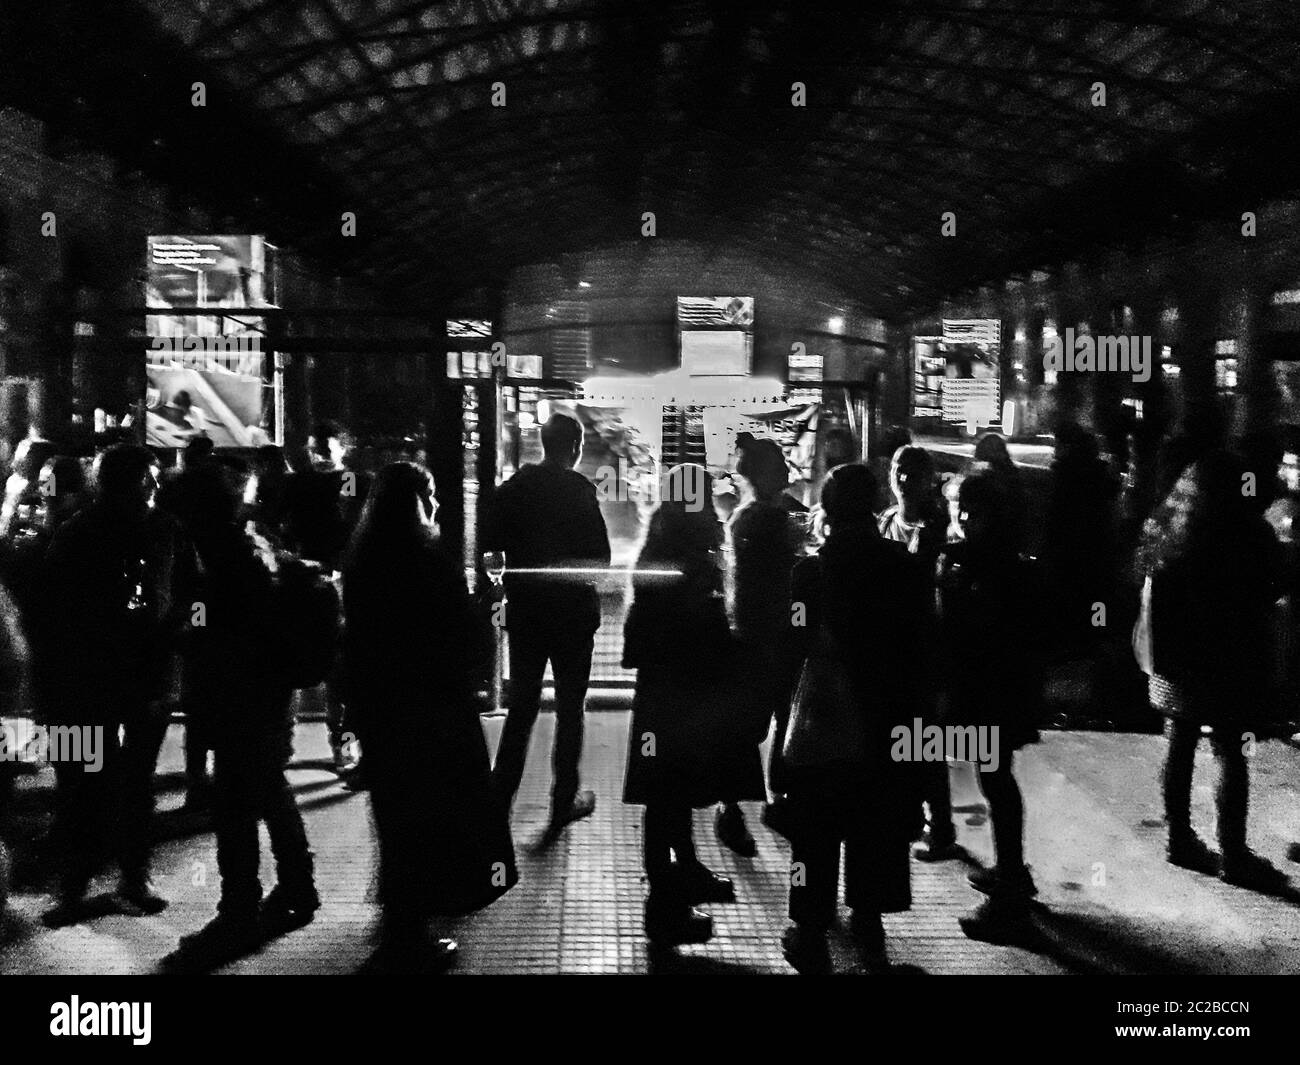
<point>683,108</point>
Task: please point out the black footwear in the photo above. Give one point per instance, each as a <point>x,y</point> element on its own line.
<point>224,938</point>
<point>1191,852</point>
<point>354,777</point>
<point>701,884</point>
<point>583,805</point>
<point>421,957</point>
<point>283,911</point>
<point>806,949</point>
<point>947,851</point>
<point>867,930</point>
<point>999,921</point>
<point>1293,852</point>
<point>139,899</point>
<point>65,912</point>
<point>1249,870</point>
<point>732,832</point>
<point>997,882</point>
<point>676,923</point>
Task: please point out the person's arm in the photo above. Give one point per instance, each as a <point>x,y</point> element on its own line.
<point>595,546</point>
<point>496,518</point>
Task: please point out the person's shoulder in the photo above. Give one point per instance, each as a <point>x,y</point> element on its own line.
<point>578,482</point>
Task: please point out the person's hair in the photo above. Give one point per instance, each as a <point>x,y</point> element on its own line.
<point>270,457</point>
<point>561,435</point>
<point>183,399</point>
<point>684,526</point>
<point>992,448</point>
<point>982,492</point>
<point>31,457</point>
<point>199,448</point>
<point>211,500</point>
<point>894,437</point>
<point>762,464</point>
<point>848,496</point>
<point>391,519</point>
<point>321,434</point>
<point>1201,515</point>
<point>69,475</point>
<point>1075,445</point>
<point>121,467</point>
<point>911,461</point>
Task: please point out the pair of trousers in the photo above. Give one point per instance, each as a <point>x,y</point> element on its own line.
<point>250,786</point>
<point>1233,798</point>
<point>1006,814</point>
<point>109,813</point>
<point>936,790</point>
<point>570,656</point>
<point>666,832</point>
<point>815,864</point>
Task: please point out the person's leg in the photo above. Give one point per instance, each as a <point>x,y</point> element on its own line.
<point>815,871</point>
<point>197,746</point>
<point>657,832</point>
<point>142,739</point>
<point>1233,798</point>
<point>670,916</point>
<point>238,848</point>
<point>814,889</point>
<point>1185,847</point>
<point>527,667</point>
<point>940,842</point>
<point>295,881</point>
<point>1180,760</point>
<point>82,801</point>
<point>1007,816</point>
<point>571,664</point>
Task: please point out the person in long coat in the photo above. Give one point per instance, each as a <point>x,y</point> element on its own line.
<point>687,748</point>
<point>860,601</point>
<point>1215,568</point>
<point>991,625</point>
<point>411,643</point>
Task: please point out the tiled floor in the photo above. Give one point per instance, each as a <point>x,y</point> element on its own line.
<point>1094,839</point>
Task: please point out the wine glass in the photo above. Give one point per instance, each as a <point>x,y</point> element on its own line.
<point>494,565</point>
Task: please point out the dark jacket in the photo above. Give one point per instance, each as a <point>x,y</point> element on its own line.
<point>548,516</point>
<point>235,681</point>
<point>871,596</point>
<point>410,646</point>
<point>1212,631</point>
<point>316,525</point>
<point>992,629</point>
<point>121,588</point>
<point>764,542</point>
<point>689,738</point>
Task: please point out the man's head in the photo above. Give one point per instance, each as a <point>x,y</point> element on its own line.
<point>911,476</point>
<point>562,440</point>
<point>326,443</point>
<point>197,451</point>
<point>762,464</point>
<point>127,477</point>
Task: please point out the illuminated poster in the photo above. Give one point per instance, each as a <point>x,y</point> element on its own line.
<point>206,372</point>
<point>716,334</point>
<point>971,384</point>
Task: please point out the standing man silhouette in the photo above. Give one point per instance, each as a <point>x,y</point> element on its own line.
<point>547,518</point>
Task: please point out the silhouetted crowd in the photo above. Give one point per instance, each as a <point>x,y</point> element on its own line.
<point>237,589</point>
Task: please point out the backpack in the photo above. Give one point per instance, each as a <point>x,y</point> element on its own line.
<point>309,621</point>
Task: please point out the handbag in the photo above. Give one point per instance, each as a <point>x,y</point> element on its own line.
<point>826,725</point>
